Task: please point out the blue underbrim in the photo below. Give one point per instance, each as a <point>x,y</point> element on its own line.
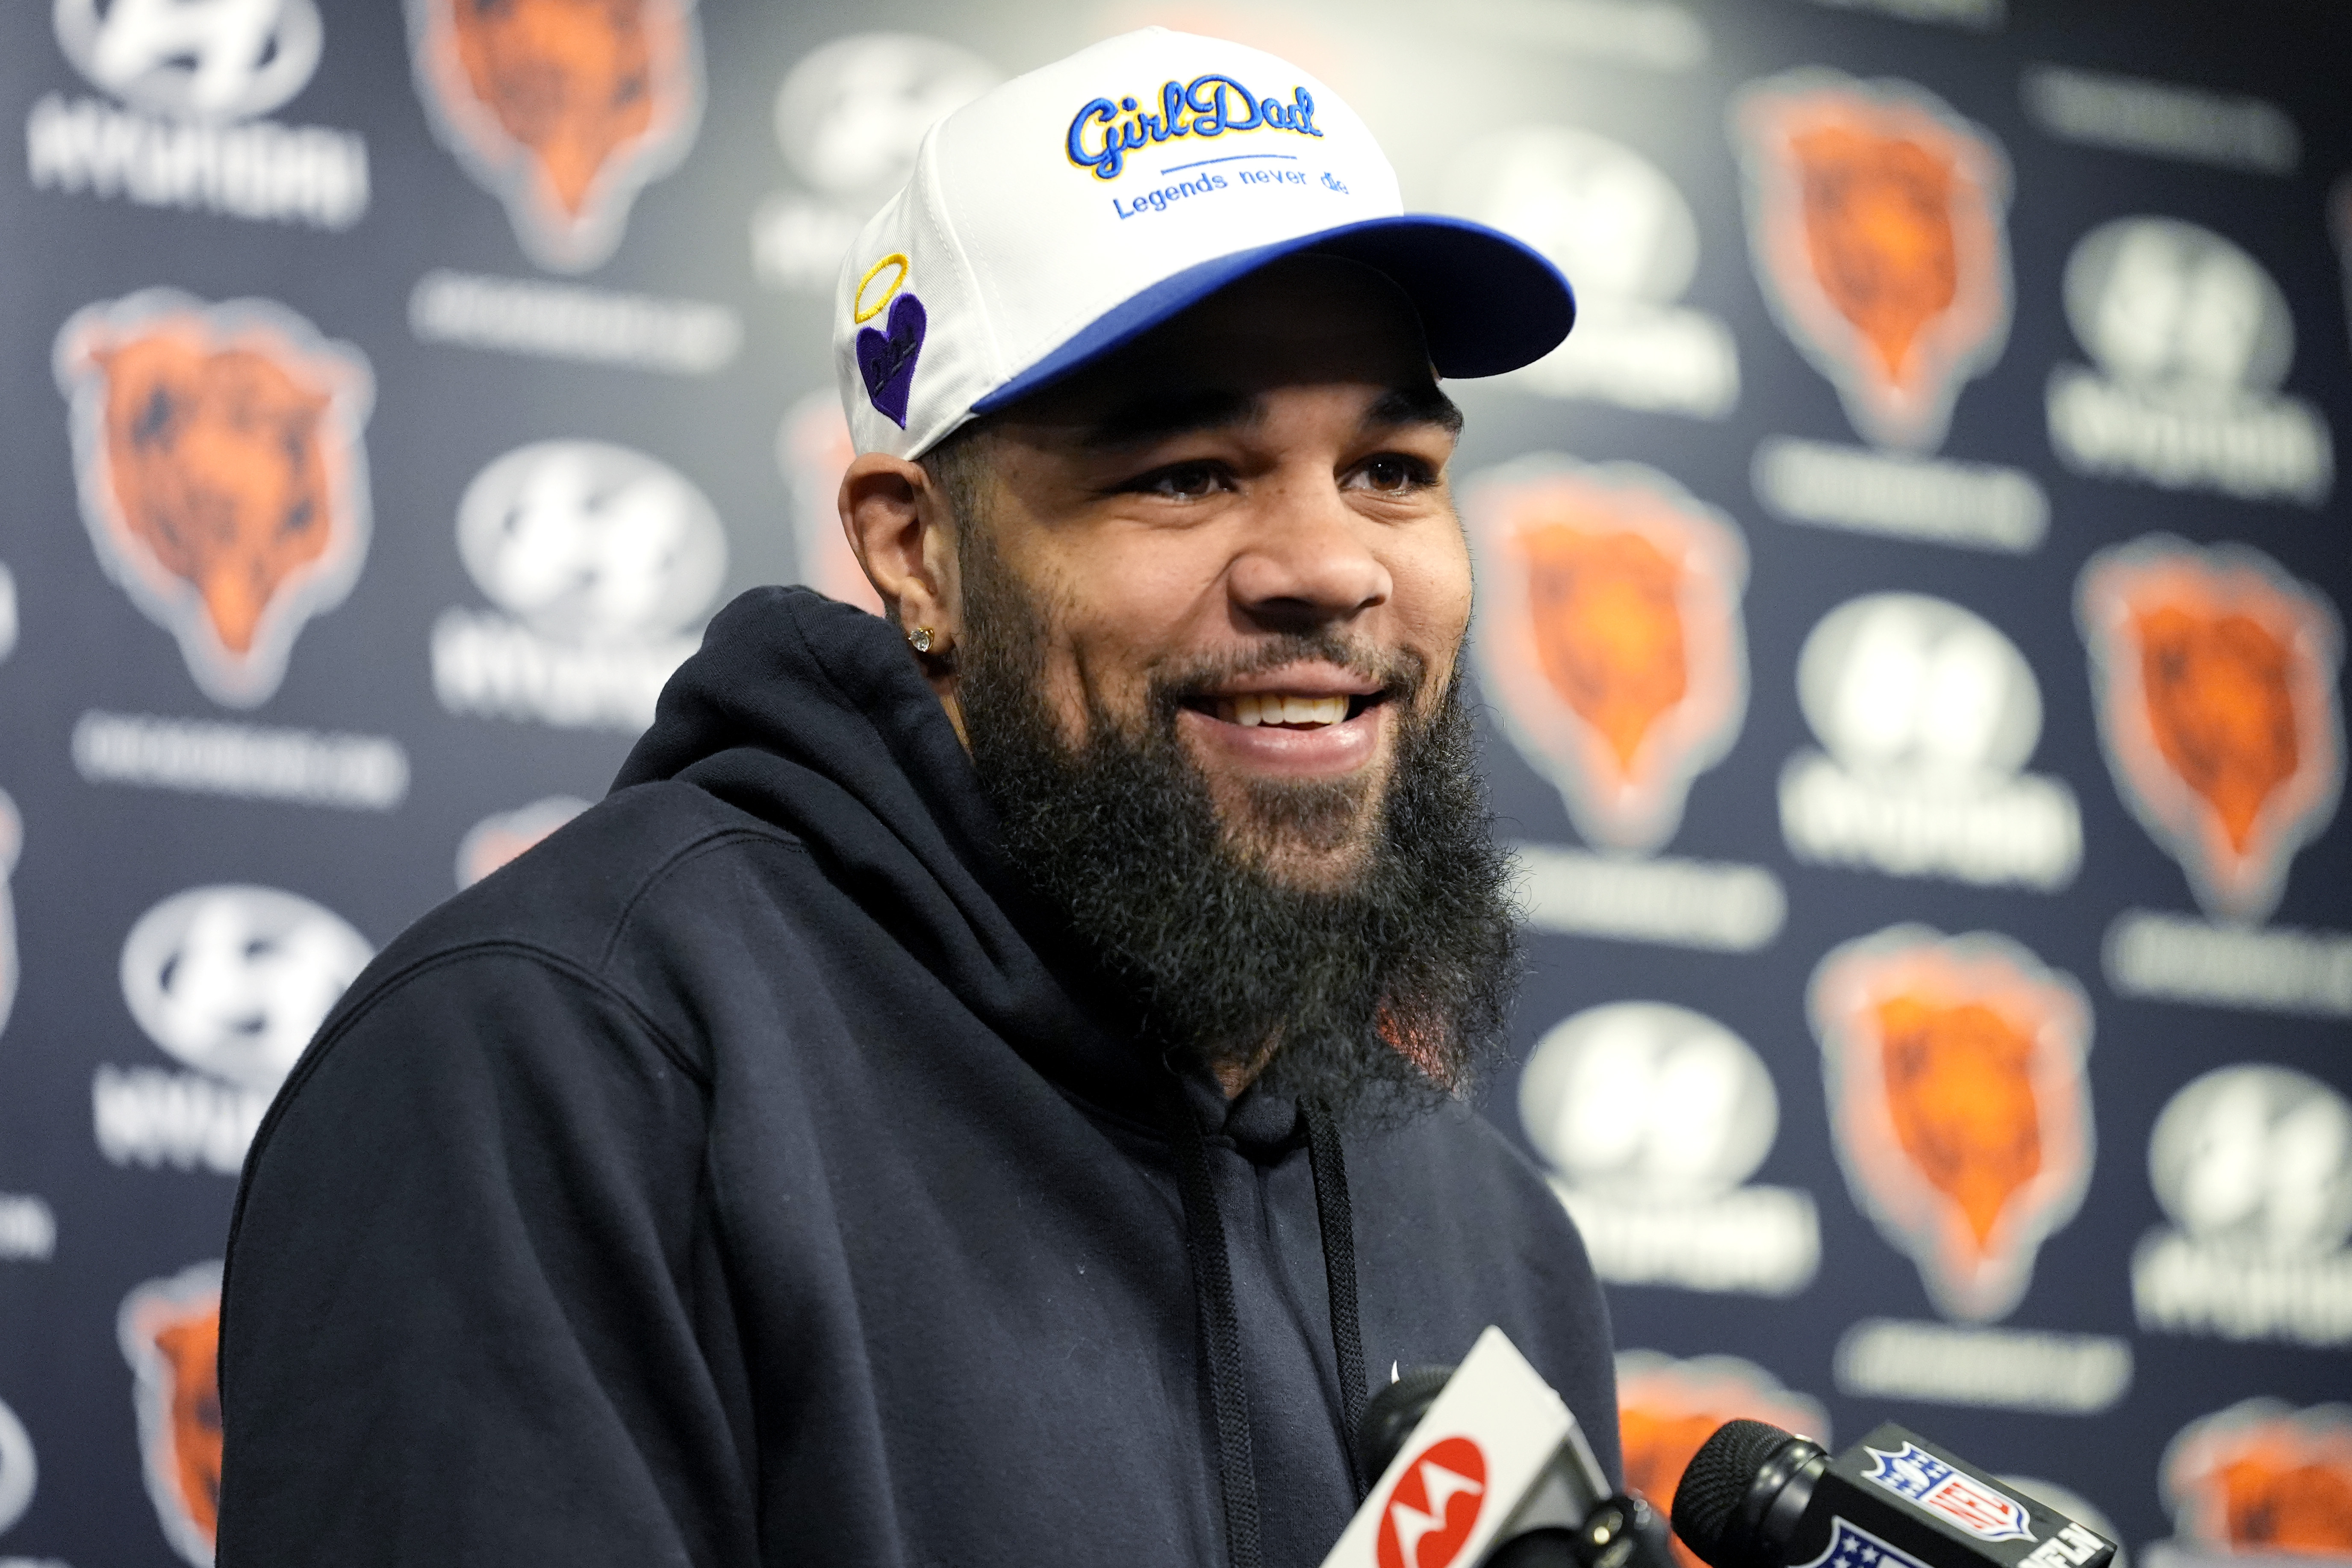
<point>1489,303</point>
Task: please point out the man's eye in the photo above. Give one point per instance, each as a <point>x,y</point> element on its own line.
<point>1182,481</point>
<point>1392,473</point>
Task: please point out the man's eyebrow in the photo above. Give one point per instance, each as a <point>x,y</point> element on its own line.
<point>1422,405</point>
<point>1158,416</point>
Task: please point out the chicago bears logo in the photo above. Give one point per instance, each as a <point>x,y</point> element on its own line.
<point>2215,675</point>
<point>221,471</point>
<point>1954,1068</point>
<point>1433,1508</point>
<point>2261,1476</point>
<point>170,1333</point>
<point>1609,638</point>
<point>1875,216</point>
<point>1667,1408</point>
<point>562,108</point>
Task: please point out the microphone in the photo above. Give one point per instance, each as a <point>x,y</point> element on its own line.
<point>1485,1465</point>
<point>1756,1497</point>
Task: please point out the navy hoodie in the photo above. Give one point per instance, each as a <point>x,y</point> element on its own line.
<point>750,1174</point>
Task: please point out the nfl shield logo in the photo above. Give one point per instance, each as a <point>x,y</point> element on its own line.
<point>1852,1547</point>
<point>1918,1475</point>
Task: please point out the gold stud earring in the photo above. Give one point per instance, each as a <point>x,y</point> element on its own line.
<point>922,637</point>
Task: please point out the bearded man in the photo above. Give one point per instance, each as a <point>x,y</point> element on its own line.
<point>987,1085</point>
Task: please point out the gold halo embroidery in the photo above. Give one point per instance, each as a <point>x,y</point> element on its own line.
<point>862,312</point>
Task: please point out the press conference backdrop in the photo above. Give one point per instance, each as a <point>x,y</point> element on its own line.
<point>1909,637</point>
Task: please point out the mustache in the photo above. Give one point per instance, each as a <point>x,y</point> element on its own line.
<point>1398,673</point>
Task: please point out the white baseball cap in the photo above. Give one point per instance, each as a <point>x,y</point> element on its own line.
<point>1067,211</point>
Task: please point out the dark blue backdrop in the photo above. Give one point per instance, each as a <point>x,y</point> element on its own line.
<point>1908,636</point>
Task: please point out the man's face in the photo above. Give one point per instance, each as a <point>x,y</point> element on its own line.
<point>1196,613</point>
<point>1239,528</point>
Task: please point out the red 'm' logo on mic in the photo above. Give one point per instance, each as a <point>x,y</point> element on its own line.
<point>1435,1506</point>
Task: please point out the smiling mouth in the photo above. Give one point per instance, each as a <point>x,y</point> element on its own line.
<point>1286,709</point>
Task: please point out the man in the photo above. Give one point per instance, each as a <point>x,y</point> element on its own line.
<point>985,1086</point>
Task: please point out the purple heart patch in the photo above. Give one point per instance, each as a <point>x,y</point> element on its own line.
<point>886,360</point>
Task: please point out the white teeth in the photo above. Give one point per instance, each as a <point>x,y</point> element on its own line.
<point>1253,709</point>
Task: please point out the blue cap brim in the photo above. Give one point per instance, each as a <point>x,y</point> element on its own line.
<point>1489,303</point>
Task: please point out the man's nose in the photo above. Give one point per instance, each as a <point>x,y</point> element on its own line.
<point>1310,558</point>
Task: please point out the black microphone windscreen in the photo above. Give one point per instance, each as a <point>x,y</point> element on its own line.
<point>1717,1481</point>
<point>1390,1415</point>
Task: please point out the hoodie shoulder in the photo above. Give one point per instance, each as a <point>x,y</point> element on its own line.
<point>569,896</point>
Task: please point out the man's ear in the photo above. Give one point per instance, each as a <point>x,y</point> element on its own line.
<point>902,530</point>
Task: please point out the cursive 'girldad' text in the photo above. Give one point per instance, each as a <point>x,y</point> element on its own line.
<point>1104,132</point>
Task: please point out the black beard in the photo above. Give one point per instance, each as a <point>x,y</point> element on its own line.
<point>1377,998</point>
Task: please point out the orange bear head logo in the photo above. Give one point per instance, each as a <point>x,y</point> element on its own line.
<point>562,108</point>
<point>2261,1476</point>
<point>2215,675</point>
<point>170,1331</point>
<point>1954,1068</point>
<point>1667,1408</point>
<point>1609,637</point>
<point>222,477</point>
<point>1875,216</point>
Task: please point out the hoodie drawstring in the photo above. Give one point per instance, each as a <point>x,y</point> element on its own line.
<point>1221,1330</point>
<point>1337,1221</point>
<point>1213,1299</point>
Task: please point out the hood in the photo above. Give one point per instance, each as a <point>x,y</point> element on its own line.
<point>812,715</point>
